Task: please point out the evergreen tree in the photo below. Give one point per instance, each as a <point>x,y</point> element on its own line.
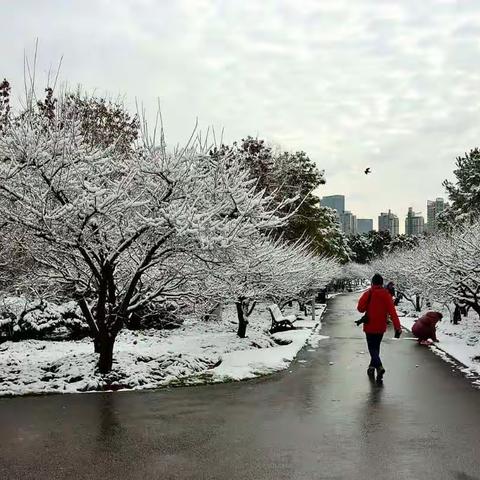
<point>464,193</point>
<point>403,242</point>
<point>361,247</point>
<point>380,242</point>
<point>293,175</point>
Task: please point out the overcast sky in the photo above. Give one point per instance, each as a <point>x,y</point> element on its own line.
<point>392,85</point>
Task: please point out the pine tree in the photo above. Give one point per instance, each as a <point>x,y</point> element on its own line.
<point>286,175</point>
<point>464,194</point>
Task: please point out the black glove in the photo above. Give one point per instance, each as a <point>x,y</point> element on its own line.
<point>398,333</point>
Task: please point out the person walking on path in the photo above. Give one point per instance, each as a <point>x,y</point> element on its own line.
<point>391,288</point>
<point>377,304</point>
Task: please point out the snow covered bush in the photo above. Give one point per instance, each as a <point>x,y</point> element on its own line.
<point>157,315</point>
<point>22,319</point>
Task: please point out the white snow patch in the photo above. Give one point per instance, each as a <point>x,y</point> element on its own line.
<point>198,352</point>
<point>245,364</point>
<point>461,342</point>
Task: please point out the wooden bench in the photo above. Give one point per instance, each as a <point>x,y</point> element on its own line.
<point>280,322</point>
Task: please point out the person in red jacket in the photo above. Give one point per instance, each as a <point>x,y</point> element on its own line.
<point>426,327</point>
<point>377,304</point>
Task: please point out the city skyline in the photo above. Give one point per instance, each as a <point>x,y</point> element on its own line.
<point>412,222</point>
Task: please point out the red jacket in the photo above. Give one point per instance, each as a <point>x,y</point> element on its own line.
<point>425,327</point>
<point>380,306</point>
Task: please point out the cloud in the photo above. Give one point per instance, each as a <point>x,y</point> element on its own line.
<point>390,85</point>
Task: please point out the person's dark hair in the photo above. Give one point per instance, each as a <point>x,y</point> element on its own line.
<point>377,279</point>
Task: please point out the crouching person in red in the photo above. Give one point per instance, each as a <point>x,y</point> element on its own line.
<point>377,304</point>
<point>425,327</point>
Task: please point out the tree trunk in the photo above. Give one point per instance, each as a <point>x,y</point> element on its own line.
<point>302,306</point>
<point>418,307</point>
<point>242,322</point>
<point>96,345</point>
<point>105,359</point>
<point>457,316</point>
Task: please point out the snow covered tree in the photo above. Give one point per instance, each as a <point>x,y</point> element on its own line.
<point>361,248</point>
<point>356,272</point>
<point>443,268</point>
<point>4,104</point>
<point>406,269</point>
<point>379,241</point>
<point>454,271</point>
<point>365,247</point>
<point>285,175</point>
<point>402,242</point>
<point>264,269</point>
<point>111,227</point>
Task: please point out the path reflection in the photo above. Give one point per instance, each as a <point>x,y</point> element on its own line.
<point>375,395</point>
<point>108,425</point>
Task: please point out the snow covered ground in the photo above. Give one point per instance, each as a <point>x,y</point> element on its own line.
<point>198,352</point>
<point>461,342</point>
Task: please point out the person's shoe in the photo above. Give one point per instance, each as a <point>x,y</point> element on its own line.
<point>371,373</point>
<point>380,374</point>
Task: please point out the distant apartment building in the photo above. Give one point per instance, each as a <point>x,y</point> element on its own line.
<point>346,219</point>
<point>335,202</point>
<point>434,209</point>
<point>349,223</point>
<point>414,223</point>
<point>364,225</point>
<point>388,222</point>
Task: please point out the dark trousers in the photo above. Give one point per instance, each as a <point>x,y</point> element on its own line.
<point>373,341</point>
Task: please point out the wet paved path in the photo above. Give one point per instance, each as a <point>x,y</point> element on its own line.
<point>316,421</point>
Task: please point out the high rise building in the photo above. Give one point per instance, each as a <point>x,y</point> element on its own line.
<point>347,220</point>
<point>335,202</point>
<point>364,225</point>
<point>434,208</point>
<point>414,223</point>
<point>388,222</point>
<point>349,223</point>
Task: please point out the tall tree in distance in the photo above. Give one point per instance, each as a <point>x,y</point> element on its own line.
<point>464,193</point>
<point>403,242</point>
<point>285,175</point>
<point>103,122</point>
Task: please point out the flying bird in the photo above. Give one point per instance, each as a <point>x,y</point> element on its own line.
<point>367,171</point>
